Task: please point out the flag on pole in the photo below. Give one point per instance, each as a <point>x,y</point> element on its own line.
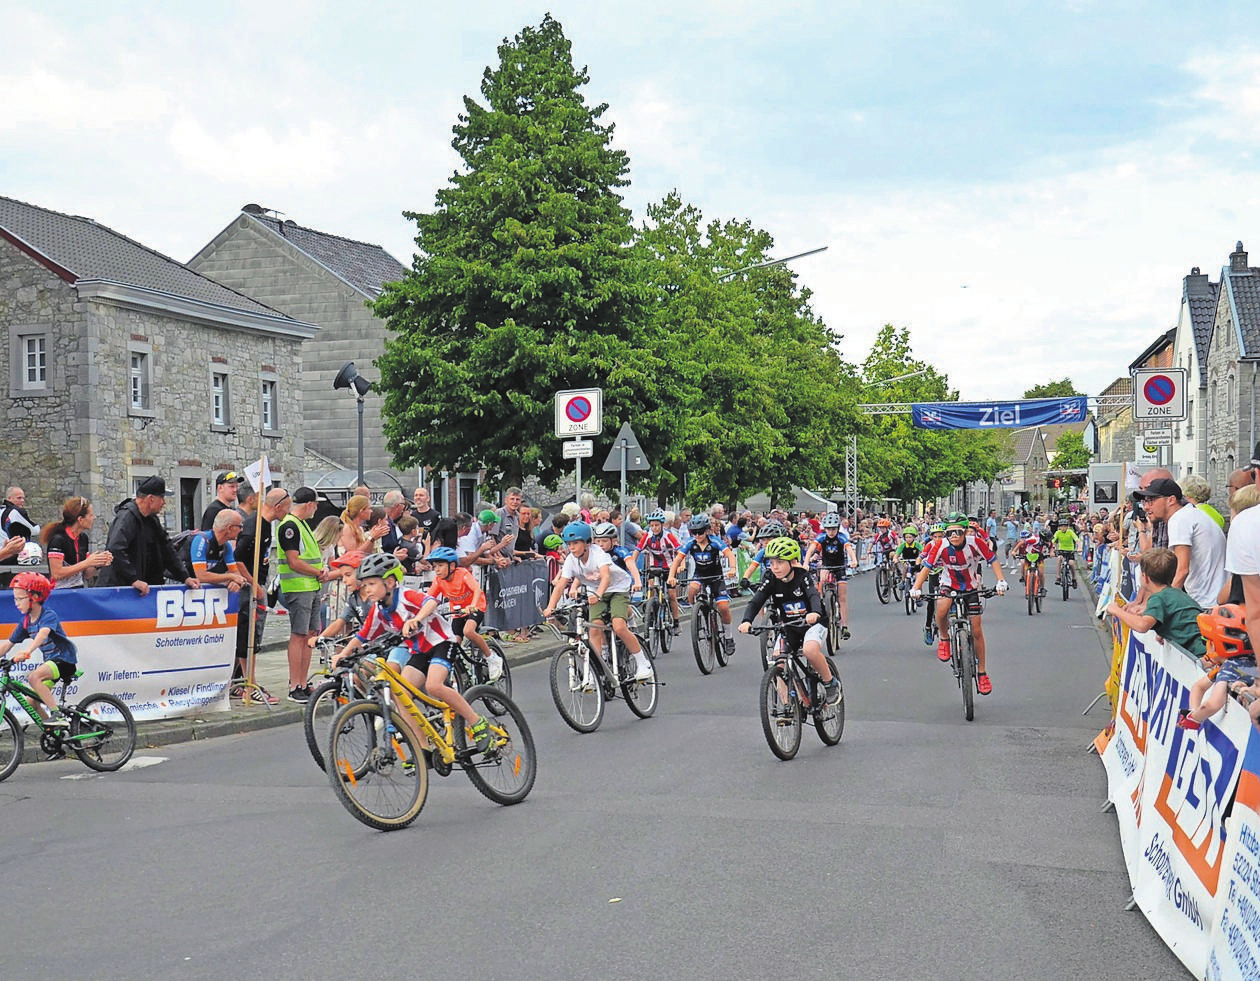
<point>255,471</point>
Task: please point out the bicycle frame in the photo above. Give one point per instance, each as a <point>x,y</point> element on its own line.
<point>602,665</point>
<point>27,697</point>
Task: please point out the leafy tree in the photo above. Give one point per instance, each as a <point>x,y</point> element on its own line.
<point>1070,452</point>
<point>523,284</point>
<point>1052,389</point>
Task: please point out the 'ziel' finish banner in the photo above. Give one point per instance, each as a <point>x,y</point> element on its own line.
<point>998,415</point>
<point>165,655</point>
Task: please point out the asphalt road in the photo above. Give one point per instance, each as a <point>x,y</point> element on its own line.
<point>922,846</point>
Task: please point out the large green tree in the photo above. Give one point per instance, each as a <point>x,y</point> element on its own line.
<point>524,282</point>
<point>1052,389</point>
<point>1070,452</point>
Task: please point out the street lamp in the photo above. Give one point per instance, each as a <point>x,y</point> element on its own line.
<point>772,262</point>
<point>348,377</point>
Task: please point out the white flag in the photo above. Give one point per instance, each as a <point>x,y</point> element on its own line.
<point>254,471</point>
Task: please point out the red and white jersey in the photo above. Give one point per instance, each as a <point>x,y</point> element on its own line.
<point>1029,543</point>
<point>959,564</point>
<point>382,619</point>
<point>659,550</point>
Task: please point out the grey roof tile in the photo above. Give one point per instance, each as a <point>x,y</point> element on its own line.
<point>1244,288</point>
<point>89,250</point>
<point>364,266</point>
<point>1201,296</point>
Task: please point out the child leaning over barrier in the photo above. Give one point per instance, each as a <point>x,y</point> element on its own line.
<point>43,628</point>
<point>1230,663</point>
<point>1169,611</point>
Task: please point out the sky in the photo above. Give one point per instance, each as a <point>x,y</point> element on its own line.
<point>1023,185</point>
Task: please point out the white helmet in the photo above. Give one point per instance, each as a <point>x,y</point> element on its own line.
<point>31,554</point>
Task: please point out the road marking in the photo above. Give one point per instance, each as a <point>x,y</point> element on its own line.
<point>135,763</point>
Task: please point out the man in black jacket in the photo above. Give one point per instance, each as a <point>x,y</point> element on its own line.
<point>143,554</point>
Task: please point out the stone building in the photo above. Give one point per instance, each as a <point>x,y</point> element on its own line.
<point>122,363</point>
<point>1190,351</point>
<point>1233,360</point>
<point>327,280</point>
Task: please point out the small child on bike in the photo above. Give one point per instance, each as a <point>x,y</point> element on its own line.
<point>459,587</point>
<point>604,534</point>
<point>656,548</point>
<point>42,627</point>
<point>707,552</point>
<point>355,608</point>
<point>836,554</point>
<point>424,659</point>
<point>795,598</point>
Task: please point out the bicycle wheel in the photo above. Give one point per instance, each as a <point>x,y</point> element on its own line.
<point>829,719</point>
<point>668,622</point>
<point>10,745</point>
<point>895,583</point>
<point>505,773</point>
<point>652,621</point>
<point>1041,587</point>
<point>967,674</point>
<point>700,640</point>
<point>325,702</point>
<point>833,619</point>
<point>102,733</point>
<point>504,681</point>
<point>375,767</point>
<point>576,688</point>
<point>910,603</point>
<point>1066,582</point>
<point>640,695</point>
<point>1030,587</point>
<point>718,639</point>
<point>780,713</point>
<point>882,587</point>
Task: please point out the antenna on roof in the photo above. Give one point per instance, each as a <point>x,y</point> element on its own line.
<point>258,209</point>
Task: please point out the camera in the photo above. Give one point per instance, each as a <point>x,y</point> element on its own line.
<point>1138,513</point>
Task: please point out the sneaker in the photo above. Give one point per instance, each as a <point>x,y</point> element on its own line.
<point>494,667</point>
<point>676,630</point>
<point>644,672</point>
<point>1021,578</point>
<point>983,685</point>
<point>57,720</point>
<point>258,695</point>
<point>844,633</point>
<point>1185,722</point>
<point>942,651</point>
<point>729,644</point>
<point>236,691</point>
<point>301,694</point>
<point>483,738</point>
<point>928,634</point>
<point>833,691</point>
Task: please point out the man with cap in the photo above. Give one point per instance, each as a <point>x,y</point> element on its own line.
<point>143,554</point>
<point>301,566</point>
<point>1196,539</point>
<point>254,546</point>
<point>225,492</point>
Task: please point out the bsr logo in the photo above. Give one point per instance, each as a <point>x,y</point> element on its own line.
<point>194,608</point>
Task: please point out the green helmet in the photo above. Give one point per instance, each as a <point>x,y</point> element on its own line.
<point>909,531</point>
<point>553,543</point>
<point>938,528</point>
<point>787,549</point>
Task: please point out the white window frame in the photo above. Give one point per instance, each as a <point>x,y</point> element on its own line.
<point>220,399</point>
<point>143,380</point>
<point>21,339</point>
<point>269,421</point>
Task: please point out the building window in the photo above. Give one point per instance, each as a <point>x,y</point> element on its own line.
<point>139,385</point>
<point>35,361</point>
<point>29,367</point>
<point>270,405</point>
<point>1189,418</point>
<point>219,413</point>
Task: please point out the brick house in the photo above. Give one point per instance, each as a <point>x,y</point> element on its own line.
<point>122,363</point>
<point>1233,360</point>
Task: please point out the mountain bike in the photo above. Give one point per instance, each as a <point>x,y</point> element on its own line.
<point>377,748</point>
<point>658,614</point>
<point>962,647</point>
<point>1067,576</point>
<point>349,680</point>
<point>582,680</point>
<point>884,579</point>
<point>707,640</point>
<point>469,667</point>
<point>101,733</point>
<point>907,583</point>
<point>790,688</point>
<point>1034,581</point>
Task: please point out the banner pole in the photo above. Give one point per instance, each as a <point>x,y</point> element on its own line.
<point>253,599</point>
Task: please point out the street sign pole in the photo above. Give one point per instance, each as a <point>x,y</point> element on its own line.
<point>622,500</point>
<point>577,483</point>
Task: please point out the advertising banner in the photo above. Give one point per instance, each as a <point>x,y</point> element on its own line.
<point>514,595</point>
<point>998,415</point>
<point>164,655</point>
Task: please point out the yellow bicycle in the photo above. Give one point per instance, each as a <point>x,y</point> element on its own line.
<point>380,748</point>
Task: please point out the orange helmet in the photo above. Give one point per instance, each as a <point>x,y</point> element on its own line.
<point>883,523</point>
<point>1225,630</point>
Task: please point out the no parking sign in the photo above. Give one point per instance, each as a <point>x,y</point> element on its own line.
<point>1159,393</point>
<point>580,412</point>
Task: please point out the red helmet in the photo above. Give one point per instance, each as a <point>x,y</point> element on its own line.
<point>33,583</point>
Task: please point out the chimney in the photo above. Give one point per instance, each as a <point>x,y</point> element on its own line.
<point>1197,283</point>
<point>1238,260</point>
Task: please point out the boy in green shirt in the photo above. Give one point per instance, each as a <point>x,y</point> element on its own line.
<point>1169,611</point>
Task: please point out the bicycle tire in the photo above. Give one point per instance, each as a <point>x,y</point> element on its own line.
<point>382,782</point>
<point>1030,588</point>
<point>967,679</point>
<point>829,719</point>
<point>504,682</point>
<point>894,585</point>
<point>833,618</point>
<point>579,701</point>
<point>1041,583</point>
<point>640,696</point>
<point>909,600</point>
<point>11,740</point>
<point>668,622</point>
<point>325,702</point>
<point>882,586</point>
<point>700,642</point>
<point>105,744</point>
<point>718,639</point>
<point>780,713</point>
<point>1066,583</point>
<point>506,773</point>
<point>652,619</point>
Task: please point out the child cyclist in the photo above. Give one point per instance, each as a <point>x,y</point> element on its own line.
<point>424,660</point>
<point>608,591</point>
<point>836,553</point>
<point>604,535</point>
<point>354,609</point>
<point>42,627</point>
<point>792,591</point>
<point>765,535</point>
<point>707,551</point>
<point>657,548</point>
<point>453,582</point>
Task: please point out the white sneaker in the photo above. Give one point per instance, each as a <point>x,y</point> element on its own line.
<point>645,668</point>
<point>494,667</point>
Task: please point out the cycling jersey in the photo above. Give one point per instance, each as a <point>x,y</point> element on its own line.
<point>908,551</point>
<point>659,550</point>
<point>959,563</point>
<point>390,615</point>
<point>793,598</point>
<point>707,555</point>
<point>1030,545</point>
<point>832,550</point>
<point>1065,540</point>
<point>461,589</point>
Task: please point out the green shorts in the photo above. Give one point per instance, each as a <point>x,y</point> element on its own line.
<point>612,606</point>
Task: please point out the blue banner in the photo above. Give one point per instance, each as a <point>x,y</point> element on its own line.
<point>998,415</point>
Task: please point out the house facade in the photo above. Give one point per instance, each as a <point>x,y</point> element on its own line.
<point>1232,363</point>
<point>1190,352</point>
<point>122,363</point>
<point>325,279</point>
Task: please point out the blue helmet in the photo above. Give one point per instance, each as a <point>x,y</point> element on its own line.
<point>657,515</point>
<point>698,522</point>
<point>576,531</point>
<point>444,553</point>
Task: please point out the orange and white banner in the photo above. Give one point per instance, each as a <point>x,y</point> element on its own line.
<point>165,655</point>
